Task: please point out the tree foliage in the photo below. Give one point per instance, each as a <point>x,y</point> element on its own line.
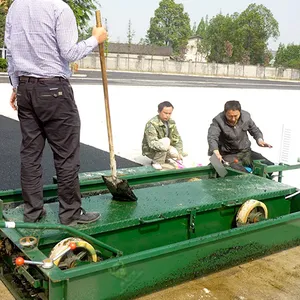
<point>203,45</point>
<point>130,33</point>
<point>2,25</point>
<point>288,56</point>
<point>170,26</point>
<point>247,33</point>
<point>202,27</point>
<point>256,25</point>
<point>6,4</point>
<point>194,29</point>
<point>219,31</point>
<point>83,10</point>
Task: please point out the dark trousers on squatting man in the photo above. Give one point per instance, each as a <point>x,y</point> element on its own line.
<point>47,110</point>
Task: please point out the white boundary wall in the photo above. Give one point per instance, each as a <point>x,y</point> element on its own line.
<point>160,64</point>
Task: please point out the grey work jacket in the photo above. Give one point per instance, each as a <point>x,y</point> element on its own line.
<point>232,139</point>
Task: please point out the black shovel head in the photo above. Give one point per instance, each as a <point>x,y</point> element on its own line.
<point>218,166</point>
<point>119,188</point>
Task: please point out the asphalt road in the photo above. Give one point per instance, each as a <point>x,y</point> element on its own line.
<point>150,79</point>
<point>92,159</point>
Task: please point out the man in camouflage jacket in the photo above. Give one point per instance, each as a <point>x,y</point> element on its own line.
<point>161,140</point>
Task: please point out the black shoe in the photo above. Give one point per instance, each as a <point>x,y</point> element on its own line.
<point>40,217</point>
<point>84,218</point>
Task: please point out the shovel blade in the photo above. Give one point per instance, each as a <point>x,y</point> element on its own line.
<point>218,166</point>
<point>119,188</point>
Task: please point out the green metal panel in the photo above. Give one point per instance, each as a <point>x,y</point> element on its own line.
<point>162,214</point>
<point>150,270</point>
<point>295,203</point>
<point>175,231</point>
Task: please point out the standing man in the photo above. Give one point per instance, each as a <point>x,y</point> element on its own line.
<point>41,39</point>
<point>228,138</point>
<point>161,140</point>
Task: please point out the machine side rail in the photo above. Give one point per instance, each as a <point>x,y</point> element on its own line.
<point>99,185</point>
<point>260,169</point>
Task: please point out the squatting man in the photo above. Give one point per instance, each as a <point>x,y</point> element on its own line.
<point>162,142</point>
<point>228,138</point>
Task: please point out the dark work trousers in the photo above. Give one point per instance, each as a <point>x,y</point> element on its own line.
<point>243,159</point>
<point>47,110</point>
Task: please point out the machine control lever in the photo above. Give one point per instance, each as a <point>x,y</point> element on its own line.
<point>46,263</point>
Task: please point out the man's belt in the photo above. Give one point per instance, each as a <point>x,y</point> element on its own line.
<point>36,79</point>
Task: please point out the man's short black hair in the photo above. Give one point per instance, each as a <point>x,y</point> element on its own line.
<point>232,105</point>
<point>164,104</point>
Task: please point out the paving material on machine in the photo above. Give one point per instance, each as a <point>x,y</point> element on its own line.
<point>166,200</point>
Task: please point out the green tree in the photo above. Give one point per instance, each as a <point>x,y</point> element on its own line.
<point>202,27</point>
<point>194,29</point>
<point>288,56</point>
<point>143,41</point>
<point>246,35</point>
<point>82,9</point>
<point>2,25</point>
<point>6,4</point>
<point>219,35</point>
<point>130,36</point>
<point>255,26</point>
<point>130,33</point>
<point>203,45</point>
<point>170,26</point>
<point>267,58</point>
<point>228,49</point>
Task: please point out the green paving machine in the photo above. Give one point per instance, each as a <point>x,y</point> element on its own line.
<point>186,223</point>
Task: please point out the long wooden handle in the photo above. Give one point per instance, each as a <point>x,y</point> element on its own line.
<point>113,166</point>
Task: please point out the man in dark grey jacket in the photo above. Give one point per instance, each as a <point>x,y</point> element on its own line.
<point>228,137</point>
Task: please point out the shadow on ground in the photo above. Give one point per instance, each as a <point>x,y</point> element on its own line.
<point>92,159</point>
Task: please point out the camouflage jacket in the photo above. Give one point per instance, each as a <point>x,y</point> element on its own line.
<point>155,129</point>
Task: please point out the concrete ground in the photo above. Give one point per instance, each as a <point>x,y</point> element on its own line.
<point>5,294</point>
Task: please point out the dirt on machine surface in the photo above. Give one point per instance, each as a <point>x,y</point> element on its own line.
<point>275,277</point>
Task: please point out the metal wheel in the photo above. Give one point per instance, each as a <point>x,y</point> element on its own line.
<point>84,252</point>
<point>28,241</point>
<point>252,211</point>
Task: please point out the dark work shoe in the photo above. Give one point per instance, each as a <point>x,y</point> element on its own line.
<point>40,217</point>
<point>84,218</point>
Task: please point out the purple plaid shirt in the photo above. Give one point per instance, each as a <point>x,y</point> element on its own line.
<point>41,39</point>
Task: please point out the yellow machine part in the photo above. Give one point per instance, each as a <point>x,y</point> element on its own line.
<point>246,209</point>
<point>64,244</point>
